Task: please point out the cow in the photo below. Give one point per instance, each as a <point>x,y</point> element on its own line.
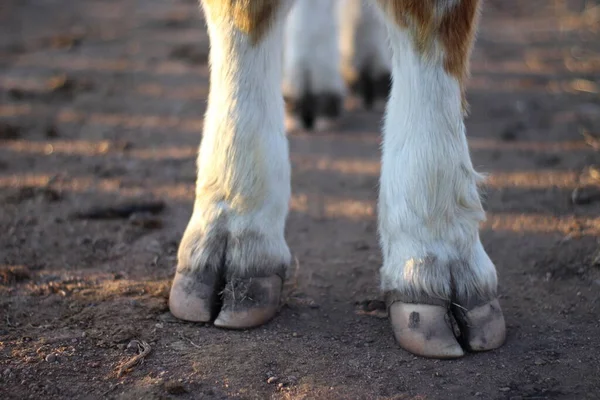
<point>439,284</point>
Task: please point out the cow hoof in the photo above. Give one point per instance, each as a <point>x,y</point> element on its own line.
<point>239,303</point>
<point>194,295</point>
<point>249,302</point>
<point>424,330</point>
<point>310,107</point>
<point>482,328</point>
<point>371,88</point>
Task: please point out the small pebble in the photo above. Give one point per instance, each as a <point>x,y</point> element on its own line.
<point>133,346</point>
<point>51,358</point>
<point>504,389</point>
<point>272,379</point>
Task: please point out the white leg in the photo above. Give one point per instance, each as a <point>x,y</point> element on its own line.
<point>365,51</point>
<point>234,243</point>
<point>312,83</point>
<point>429,207</point>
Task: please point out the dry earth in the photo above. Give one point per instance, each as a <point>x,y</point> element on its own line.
<point>101,104</point>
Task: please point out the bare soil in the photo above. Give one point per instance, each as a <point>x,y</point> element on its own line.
<point>101,107</point>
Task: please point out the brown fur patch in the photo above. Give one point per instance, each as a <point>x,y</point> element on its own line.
<point>252,17</point>
<point>418,15</point>
<point>430,20</point>
<point>457,31</point>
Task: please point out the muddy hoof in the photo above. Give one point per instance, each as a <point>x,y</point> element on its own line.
<point>249,302</point>
<point>194,295</point>
<point>482,327</point>
<point>424,330</point>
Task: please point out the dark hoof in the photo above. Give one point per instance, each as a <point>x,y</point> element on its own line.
<point>371,87</point>
<point>310,106</point>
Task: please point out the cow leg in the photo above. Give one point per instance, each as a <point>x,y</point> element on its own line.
<point>435,268</point>
<point>365,52</point>
<point>312,84</point>
<point>233,255</point>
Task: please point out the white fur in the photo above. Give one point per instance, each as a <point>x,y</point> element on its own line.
<point>243,186</point>
<point>363,39</point>
<point>429,206</point>
<point>312,59</point>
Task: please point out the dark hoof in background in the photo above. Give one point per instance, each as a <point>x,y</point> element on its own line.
<point>309,107</point>
<point>371,87</point>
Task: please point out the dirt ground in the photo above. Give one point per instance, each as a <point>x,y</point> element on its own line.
<point>101,105</point>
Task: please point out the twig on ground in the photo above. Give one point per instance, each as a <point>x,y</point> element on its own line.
<point>144,349</point>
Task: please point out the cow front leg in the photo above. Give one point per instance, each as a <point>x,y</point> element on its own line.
<point>233,256</point>
<point>364,50</point>
<point>435,268</point>
<point>313,86</point>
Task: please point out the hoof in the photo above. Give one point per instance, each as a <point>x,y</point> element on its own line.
<point>194,295</point>
<point>371,88</point>
<point>424,330</point>
<point>482,327</point>
<point>310,107</point>
<point>249,302</point>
